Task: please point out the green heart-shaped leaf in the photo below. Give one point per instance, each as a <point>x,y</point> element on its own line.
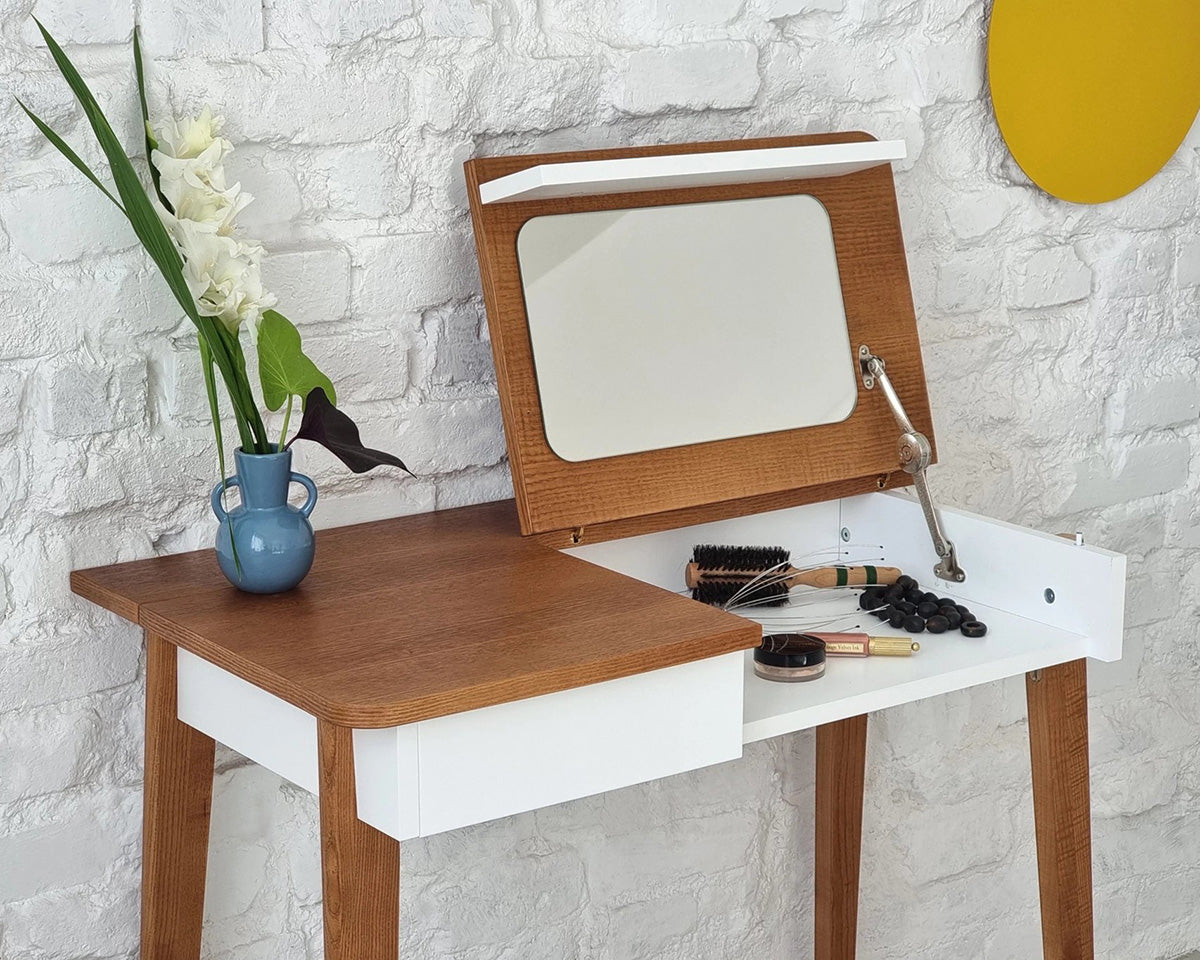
<point>283,367</point>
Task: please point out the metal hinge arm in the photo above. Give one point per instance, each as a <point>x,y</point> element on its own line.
<point>915,453</point>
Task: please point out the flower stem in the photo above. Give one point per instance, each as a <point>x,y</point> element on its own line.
<point>287,415</point>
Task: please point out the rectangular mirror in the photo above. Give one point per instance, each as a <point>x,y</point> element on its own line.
<point>659,327</point>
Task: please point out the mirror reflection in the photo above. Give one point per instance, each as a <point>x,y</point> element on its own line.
<point>664,326</point>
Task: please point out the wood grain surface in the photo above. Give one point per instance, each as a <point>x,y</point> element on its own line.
<point>176,807</point>
<point>1058,747</point>
<point>709,512</point>
<point>841,770</point>
<point>360,867</point>
<point>403,620</point>
<point>554,495</point>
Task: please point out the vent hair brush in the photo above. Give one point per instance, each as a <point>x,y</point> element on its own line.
<point>762,576</point>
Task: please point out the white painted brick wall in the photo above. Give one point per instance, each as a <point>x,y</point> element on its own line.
<point>60,222</point>
<point>313,285</point>
<point>1060,346</point>
<point>329,22</point>
<point>720,74</point>
<point>1046,278</point>
<point>221,29</point>
<point>103,21</point>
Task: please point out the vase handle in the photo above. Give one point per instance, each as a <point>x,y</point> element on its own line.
<point>219,493</point>
<point>311,487</point>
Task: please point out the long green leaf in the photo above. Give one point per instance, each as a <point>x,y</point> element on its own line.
<point>234,346</point>
<point>154,237</point>
<point>233,370</point>
<point>214,409</point>
<point>65,149</point>
<point>146,224</point>
<point>287,418</point>
<point>139,70</point>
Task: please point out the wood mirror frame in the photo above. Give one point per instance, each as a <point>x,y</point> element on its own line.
<point>569,503</point>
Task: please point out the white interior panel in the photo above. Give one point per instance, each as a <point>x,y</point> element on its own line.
<point>662,558</point>
<point>945,662</point>
<point>1008,567</point>
<point>641,319</point>
<point>1008,571</point>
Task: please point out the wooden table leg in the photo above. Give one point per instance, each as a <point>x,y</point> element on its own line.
<point>1058,747</point>
<point>360,867</point>
<point>841,768</point>
<point>177,801</point>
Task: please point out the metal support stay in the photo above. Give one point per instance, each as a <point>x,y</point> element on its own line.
<point>915,454</point>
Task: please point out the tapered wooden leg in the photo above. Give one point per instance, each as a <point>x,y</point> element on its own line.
<point>1058,746</point>
<point>360,867</point>
<point>177,801</point>
<point>841,767</point>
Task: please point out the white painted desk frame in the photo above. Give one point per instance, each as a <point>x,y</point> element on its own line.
<point>423,778</point>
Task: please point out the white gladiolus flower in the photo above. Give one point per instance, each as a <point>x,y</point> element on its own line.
<point>195,187</point>
<point>214,208</point>
<point>221,270</point>
<point>190,137</point>
<point>222,274</point>
<point>204,171</point>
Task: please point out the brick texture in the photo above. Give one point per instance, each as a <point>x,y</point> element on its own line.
<point>1059,343</point>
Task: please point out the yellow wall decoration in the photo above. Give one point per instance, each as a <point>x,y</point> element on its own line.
<point>1094,96</point>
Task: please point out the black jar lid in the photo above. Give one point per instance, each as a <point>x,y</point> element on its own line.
<point>790,650</point>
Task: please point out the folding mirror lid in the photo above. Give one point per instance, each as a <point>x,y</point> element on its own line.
<point>677,329</point>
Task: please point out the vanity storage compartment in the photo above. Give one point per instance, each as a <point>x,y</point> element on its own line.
<point>423,778</point>
<point>1049,600</point>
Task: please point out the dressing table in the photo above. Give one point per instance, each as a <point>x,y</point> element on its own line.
<point>419,680</point>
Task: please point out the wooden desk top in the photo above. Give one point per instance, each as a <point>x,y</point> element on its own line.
<point>407,619</point>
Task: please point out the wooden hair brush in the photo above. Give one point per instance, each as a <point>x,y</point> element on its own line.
<point>764,575</point>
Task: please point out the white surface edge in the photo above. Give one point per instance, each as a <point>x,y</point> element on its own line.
<point>1059,649</point>
<point>624,174</point>
<point>895,695</point>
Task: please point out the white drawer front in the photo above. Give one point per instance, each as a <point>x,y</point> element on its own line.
<point>496,761</point>
<point>454,771</point>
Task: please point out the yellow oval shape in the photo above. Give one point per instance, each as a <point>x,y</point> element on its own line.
<point>1094,96</point>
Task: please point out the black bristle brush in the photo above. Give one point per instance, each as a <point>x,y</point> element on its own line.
<point>762,576</point>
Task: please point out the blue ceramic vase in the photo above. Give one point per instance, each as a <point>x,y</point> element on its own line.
<point>275,541</point>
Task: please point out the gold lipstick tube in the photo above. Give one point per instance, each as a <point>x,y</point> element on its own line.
<point>863,645</point>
